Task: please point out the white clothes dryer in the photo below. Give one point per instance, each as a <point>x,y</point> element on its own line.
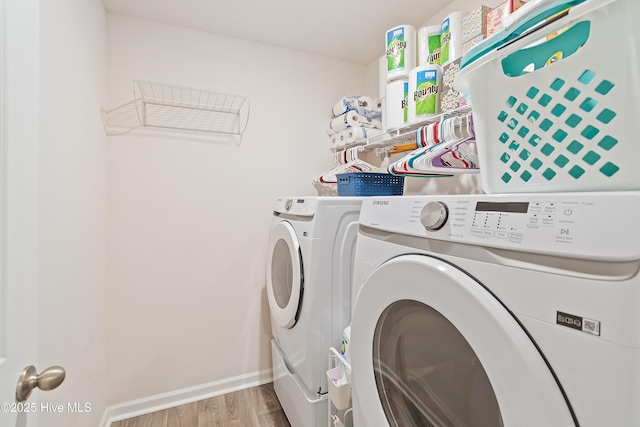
<point>497,310</point>
<point>308,275</point>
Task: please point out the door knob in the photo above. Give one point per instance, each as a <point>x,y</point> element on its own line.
<point>29,379</point>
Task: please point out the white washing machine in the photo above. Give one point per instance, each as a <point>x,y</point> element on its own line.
<point>497,310</point>
<point>309,272</point>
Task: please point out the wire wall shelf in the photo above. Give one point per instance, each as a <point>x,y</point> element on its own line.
<point>166,106</point>
<point>404,134</point>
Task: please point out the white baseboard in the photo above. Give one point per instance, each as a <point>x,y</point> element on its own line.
<point>162,401</point>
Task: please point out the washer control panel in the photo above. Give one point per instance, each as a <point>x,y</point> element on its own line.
<point>512,221</point>
<point>584,225</point>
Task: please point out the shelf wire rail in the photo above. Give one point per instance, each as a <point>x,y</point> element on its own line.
<point>403,135</point>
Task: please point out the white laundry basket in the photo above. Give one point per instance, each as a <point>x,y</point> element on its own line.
<point>565,125</point>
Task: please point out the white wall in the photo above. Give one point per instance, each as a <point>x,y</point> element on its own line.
<point>189,217</point>
<point>72,205</point>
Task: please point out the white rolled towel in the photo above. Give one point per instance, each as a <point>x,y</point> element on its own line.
<point>355,134</point>
<point>346,103</point>
<point>366,102</point>
<point>348,119</point>
<point>360,104</point>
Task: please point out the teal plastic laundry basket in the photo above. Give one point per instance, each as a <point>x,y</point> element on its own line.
<point>555,110</point>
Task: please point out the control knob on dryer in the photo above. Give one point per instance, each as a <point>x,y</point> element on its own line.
<point>434,215</point>
<point>288,204</point>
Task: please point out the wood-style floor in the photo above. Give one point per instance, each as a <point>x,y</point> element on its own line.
<point>253,407</point>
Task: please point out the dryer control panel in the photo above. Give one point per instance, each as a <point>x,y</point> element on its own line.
<point>599,226</point>
<point>301,206</point>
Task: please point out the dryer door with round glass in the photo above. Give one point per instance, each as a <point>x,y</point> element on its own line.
<point>284,274</point>
<point>433,347</point>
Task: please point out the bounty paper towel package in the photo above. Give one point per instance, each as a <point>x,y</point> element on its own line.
<point>400,51</point>
<point>429,45</point>
<point>396,103</point>
<point>451,37</point>
<point>425,84</point>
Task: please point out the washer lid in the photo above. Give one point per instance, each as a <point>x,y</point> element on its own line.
<point>284,274</point>
<point>429,344</point>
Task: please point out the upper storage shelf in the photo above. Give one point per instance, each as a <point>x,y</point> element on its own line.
<point>176,107</point>
<point>405,134</point>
